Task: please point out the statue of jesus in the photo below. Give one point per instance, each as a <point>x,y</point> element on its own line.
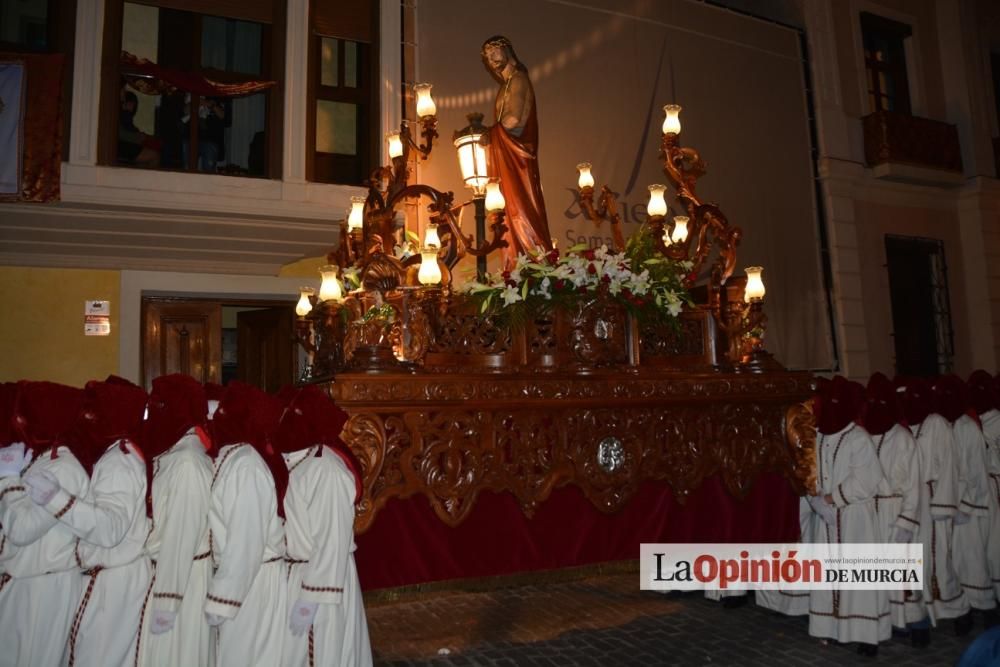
<point>513,151</point>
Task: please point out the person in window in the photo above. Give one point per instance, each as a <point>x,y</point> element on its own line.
<point>211,132</point>
<point>134,146</point>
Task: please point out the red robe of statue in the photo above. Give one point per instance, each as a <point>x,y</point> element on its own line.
<point>515,160</point>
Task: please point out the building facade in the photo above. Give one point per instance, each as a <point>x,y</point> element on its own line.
<point>904,110</point>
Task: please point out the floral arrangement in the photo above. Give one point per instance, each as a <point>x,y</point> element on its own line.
<point>645,282</point>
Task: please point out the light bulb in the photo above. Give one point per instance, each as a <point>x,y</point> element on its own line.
<point>425,104</point>
<point>329,289</point>
<point>431,237</point>
<point>680,229</point>
<point>430,272</point>
<point>672,120</point>
<point>586,178</point>
<point>356,218</point>
<point>395,145</point>
<point>494,197</point>
<point>657,204</point>
<point>754,290</point>
<point>304,306</point>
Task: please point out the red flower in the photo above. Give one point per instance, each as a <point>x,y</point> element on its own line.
<point>591,269</point>
<point>559,284</point>
<point>589,254</point>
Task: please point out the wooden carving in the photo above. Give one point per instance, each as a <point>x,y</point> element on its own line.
<point>449,436</point>
<point>800,431</point>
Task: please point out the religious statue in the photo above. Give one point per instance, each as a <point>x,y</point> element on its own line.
<point>513,151</point>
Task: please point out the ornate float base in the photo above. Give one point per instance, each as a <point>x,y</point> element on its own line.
<point>449,438</point>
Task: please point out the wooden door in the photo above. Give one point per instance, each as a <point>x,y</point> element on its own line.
<point>181,336</point>
<point>265,347</point>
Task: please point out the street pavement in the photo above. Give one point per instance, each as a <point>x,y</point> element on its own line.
<point>606,620</point>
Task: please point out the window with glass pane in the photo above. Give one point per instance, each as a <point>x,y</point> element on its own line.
<point>24,24</point>
<point>885,63</point>
<point>342,105</point>
<point>189,131</point>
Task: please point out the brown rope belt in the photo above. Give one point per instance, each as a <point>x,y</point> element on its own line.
<point>196,557</point>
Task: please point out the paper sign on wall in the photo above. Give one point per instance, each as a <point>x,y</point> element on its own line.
<point>97,318</point>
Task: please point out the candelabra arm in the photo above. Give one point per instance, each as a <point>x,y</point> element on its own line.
<point>607,209</point>
<point>428,132</point>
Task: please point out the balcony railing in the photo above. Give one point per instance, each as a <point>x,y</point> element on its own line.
<point>896,138</point>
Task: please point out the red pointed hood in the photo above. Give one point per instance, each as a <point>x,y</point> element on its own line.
<point>882,409</point>
<point>982,393</point>
<point>245,414</point>
<point>176,404</point>
<point>838,404</point>
<point>916,399</point>
<point>951,397</point>
<point>312,418</point>
<point>111,411</point>
<point>44,412</point>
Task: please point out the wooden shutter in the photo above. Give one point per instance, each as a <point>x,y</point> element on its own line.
<point>347,19</point>
<point>260,11</point>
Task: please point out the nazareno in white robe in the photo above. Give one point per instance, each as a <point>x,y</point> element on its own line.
<point>897,506</point>
<point>848,470</point>
<point>111,524</point>
<point>249,585</point>
<point>793,602</point>
<point>40,582</point>
<point>969,539</point>
<point>319,529</point>
<point>178,545</point>
<point>943,595</point>
<point>991,431</point>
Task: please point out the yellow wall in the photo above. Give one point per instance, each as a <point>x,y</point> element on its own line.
<point>304,268</point>
<point>41,328</point>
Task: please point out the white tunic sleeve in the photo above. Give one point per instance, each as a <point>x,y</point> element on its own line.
<point>105,515</point>
<point>182,528</point>
<point>944,502</point>
<point>247,501</point>
<point>905,474</point>
<point>972,482</point>
<point>863,475</point>
<point>23,521</point>
<point>331,520</point>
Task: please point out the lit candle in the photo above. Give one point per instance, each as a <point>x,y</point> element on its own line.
<point>431,237</point>
<point>329,289</point>
<point>430,272</point>
<point>657,204</point>
<point>755,285</point>
<point>356,218</point>
<point>680,229</point>
<point>304,306</point>
<point>395,145</point>
<point>425,104</point>
<point>494,197</point>
<point>586,178</point>
<point>672,120</point>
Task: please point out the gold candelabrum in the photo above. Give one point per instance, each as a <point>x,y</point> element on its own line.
<point>380,324</point>
<point>384,320</point>
<point>692,238</point>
